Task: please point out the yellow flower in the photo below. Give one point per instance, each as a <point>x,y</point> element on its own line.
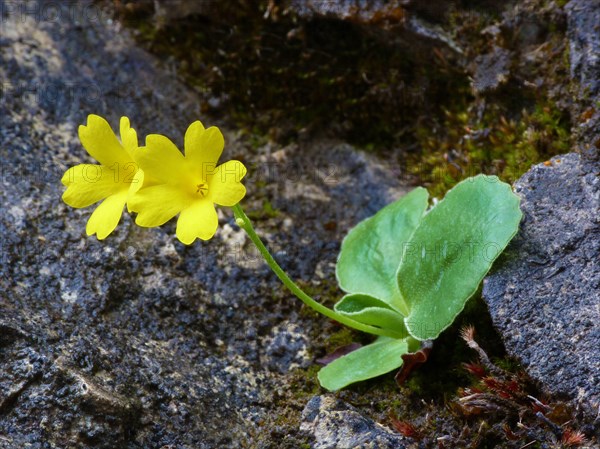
<point>112,181</point>
<point>190,186</point>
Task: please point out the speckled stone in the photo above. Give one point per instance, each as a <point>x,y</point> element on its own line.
<point>492,70</point>
<point>333,424</point>
<point>584,43</point>
<point>584,54</point>
<point>544,296</point>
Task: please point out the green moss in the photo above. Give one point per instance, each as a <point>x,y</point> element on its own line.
<point>504,132</point>
<point>304,382</point>
<point>493,144</point>
<point>343,337</point>
<point>267,211</point>
<point>256,139</point>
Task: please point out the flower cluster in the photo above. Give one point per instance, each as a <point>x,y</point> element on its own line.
<point>156,181</point>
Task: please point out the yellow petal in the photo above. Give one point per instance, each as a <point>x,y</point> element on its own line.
<point>101,143</point>
<point>199,220</point>
<point>160,159</point>
<point>157,204</point>
<point>128,136</point>
<point>203,147</point>
<point>106,217</point>
<point>224,186</point>
<point>136,184</point>
<point>147,180</point>
<point>88,183</point>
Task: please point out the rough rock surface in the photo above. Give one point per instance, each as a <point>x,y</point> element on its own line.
<point>410,30</point>
<point>584,36</point>
<point>544,296</point>
<point>492,70</point>
<point>409,20</point>
<point>584,52</point>
<point>138,341</point>
<point>335,425</point>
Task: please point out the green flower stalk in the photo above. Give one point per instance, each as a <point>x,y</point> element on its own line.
<point>244,222</point>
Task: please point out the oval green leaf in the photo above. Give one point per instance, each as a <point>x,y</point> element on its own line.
<point>380,357</point>
<point>372,250</point>
<point>372,311</point>
<point>452,250</point>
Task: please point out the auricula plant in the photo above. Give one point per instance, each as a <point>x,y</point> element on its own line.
<point>407,271</point>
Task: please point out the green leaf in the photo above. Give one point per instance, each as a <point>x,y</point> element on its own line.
<point>371,252</point>
<point>372,311</point>
<point>380,357</point>
<point>452,250</point>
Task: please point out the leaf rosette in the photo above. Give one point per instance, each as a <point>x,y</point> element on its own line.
<point>411,270</point>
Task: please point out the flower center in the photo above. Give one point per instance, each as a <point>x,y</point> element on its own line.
<point>202,189</point>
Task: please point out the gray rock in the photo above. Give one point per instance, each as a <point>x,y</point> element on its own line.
<point>584,52</point>
<point>407,28</point>
<point>138,341</point>
<point>342,10</point>
<point>544,295</point>
<point>286,347</point>
<point>375,15</point>
<point>584,43</point>
<point>491,70</point>
<point>333,424</point>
